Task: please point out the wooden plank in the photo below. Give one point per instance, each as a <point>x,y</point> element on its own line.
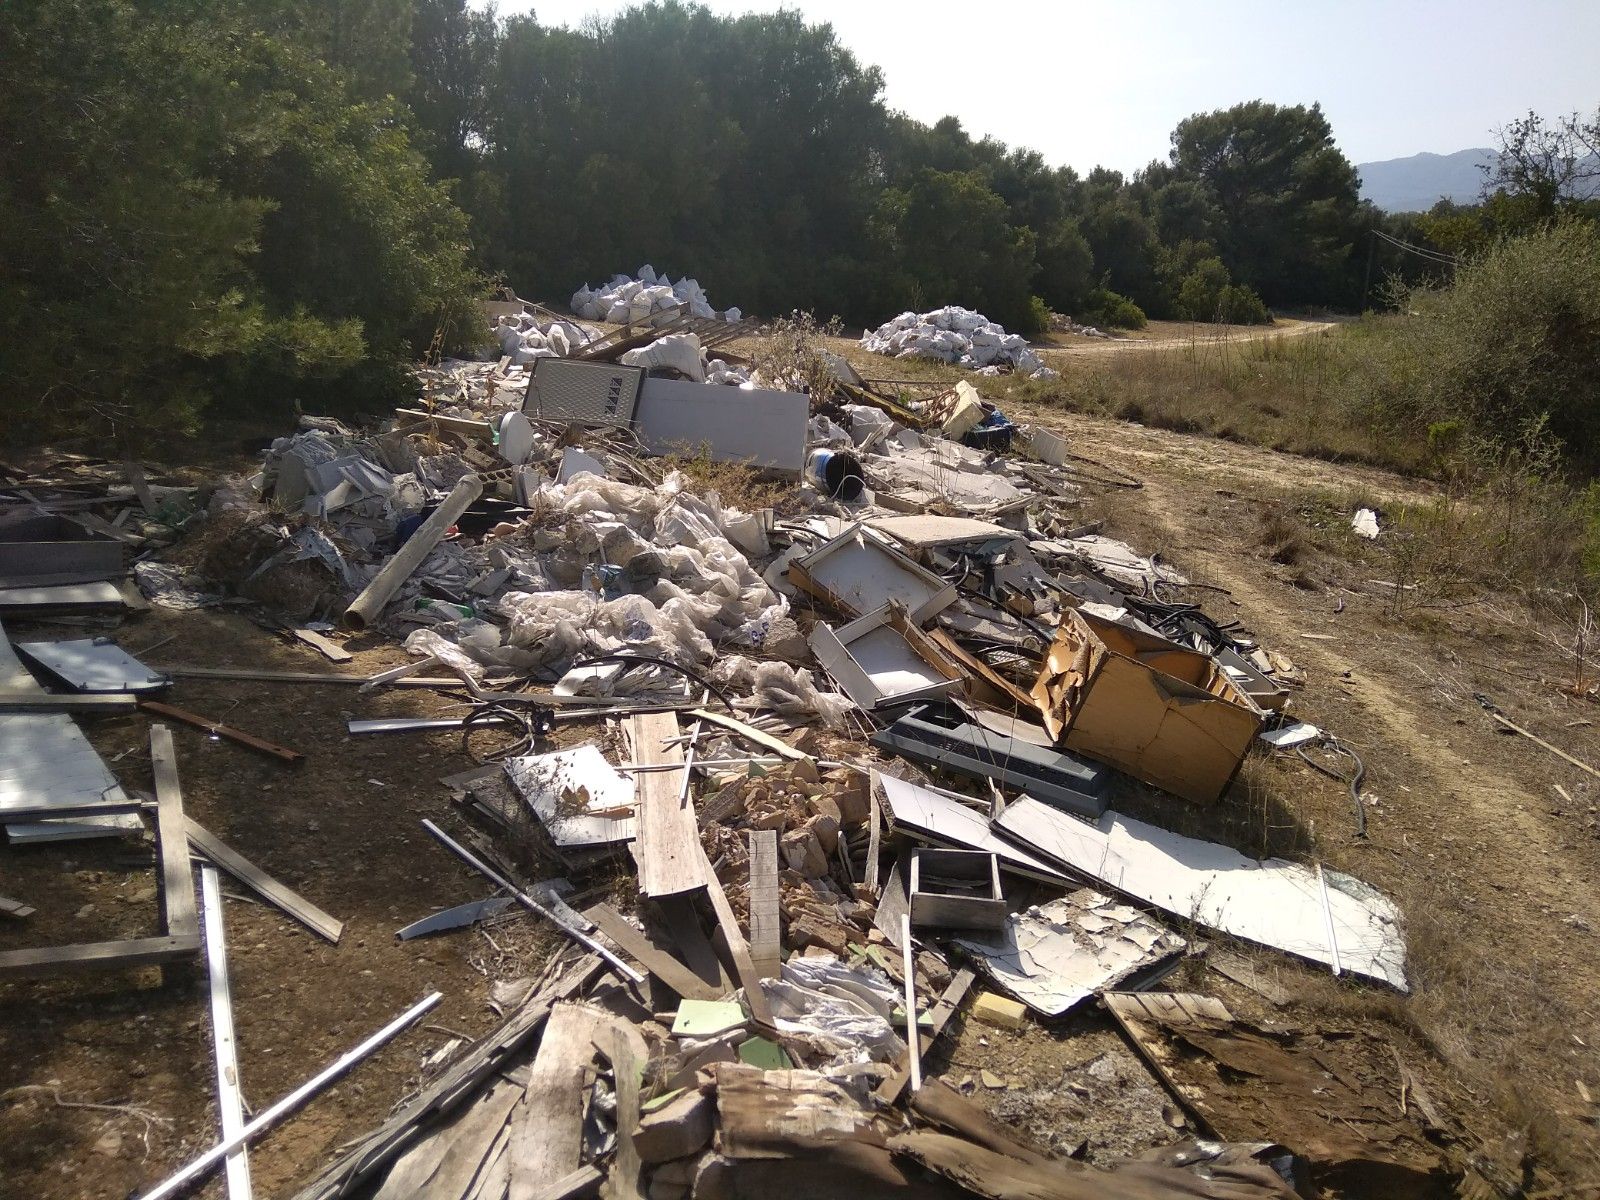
<point>349,1173</point>
<point>638,946</point>
<point>874,836</point>
<point>585,1181</point>
<point>220,730</point>
<point>179,915</point>
<point>913,1029</point>
<point>547,1127</point>
<point>258,881</point>
<point>98,702</point>
<point>890,1090</point>
<point>627,1051</point>
<point>668,845</point>
<point>327,647</point>
<point>738,950</point>
<point>751,734</point>
<point>14,909</point>
<point>681,922</point>
<point>766,941</point>
<point>445,1163</point>
<point>98,956</point>
<point>230,1102</point>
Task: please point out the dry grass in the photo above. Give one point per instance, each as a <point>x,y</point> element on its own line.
<point>737,485</point>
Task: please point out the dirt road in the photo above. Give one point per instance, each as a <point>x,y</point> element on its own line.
<point>1168,335</point>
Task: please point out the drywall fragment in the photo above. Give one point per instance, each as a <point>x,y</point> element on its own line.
<point>1272,902</point>
<point>1054,956</point>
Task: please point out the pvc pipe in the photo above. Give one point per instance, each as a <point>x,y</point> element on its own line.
<point>198,1167</point>
<point>418,546</point>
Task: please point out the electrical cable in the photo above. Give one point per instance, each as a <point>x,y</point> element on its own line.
<point>1353,782</point>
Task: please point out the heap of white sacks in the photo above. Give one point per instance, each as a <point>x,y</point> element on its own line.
<point>957,335</point>
<point>633,299</point>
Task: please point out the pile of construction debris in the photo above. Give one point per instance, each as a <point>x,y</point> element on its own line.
<point>960,336</point>
<point>635,297</point>
<point>853,756</point>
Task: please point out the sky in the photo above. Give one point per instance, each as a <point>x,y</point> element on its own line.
<point>1101,84</point>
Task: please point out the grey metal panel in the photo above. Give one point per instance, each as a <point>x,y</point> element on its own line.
<point>42,548</point>
<point>583,393</point>
<point>94,665</point>
<point>762,428</point>
<point>46,760</point>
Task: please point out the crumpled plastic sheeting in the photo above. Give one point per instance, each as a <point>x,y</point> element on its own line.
<point>787,691</point>
<point>678,351</point>
<point>171,586</point>
<point>477,645</point>
<point>956,335</point>
<point>842,1012</point>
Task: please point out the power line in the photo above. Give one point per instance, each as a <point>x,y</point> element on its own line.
<point>1437,256</point>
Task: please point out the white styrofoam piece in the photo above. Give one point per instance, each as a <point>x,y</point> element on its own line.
<point>734,424</point>
<point>94,665</point>
<point>1272,902</point>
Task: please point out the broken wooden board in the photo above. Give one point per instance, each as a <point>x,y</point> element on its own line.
<point>217,729</point>
<point>327,647</point>
<point>349,1174</point>
<point>1329,1094</point>
<point>738,949</point>
<point>277,894</point>
<point>180,916</point>
<point>668,842</point>
<point>761,1112</point>
<point>547,1127</point>
<point>1273,902</point>
<point>1217,1173</point>
<point>626,1049</point>
<point>766,940</point>
<point>14,908</point>
<point>654,958</point>
<point>929,1029</point>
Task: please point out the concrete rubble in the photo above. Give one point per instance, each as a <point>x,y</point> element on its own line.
<point>727,680</point>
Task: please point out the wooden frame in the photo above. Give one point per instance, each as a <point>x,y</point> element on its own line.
<point>179,940</point>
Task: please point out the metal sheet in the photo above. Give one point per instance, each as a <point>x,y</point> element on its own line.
<point>94,665</point>
<point>732,424</point>
<point>1272,902</point>
<point>46,760</point>
<point>583,393</point>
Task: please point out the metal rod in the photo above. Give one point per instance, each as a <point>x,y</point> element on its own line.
<point>230,1107</point>
<point>186,1175</point>
<point>913,1030</point>
<point>529,903</point>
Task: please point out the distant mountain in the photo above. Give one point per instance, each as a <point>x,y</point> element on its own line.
<point>1416,183</point>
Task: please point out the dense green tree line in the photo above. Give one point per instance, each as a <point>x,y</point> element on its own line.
<point>252,202</point>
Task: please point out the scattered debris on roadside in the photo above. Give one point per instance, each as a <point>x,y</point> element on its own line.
<point>825,761</point>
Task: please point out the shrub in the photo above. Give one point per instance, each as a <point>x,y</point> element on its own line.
<point>1112,311</point>
<point>1239,305</point>
<point>1514,339</point>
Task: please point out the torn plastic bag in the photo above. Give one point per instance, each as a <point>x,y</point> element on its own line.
<point>834,1009</point>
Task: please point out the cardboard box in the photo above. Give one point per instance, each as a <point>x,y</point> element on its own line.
<point>1162,712</point>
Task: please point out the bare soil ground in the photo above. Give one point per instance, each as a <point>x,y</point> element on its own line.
<point>1490,844</point>
<point>1161,335</point>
